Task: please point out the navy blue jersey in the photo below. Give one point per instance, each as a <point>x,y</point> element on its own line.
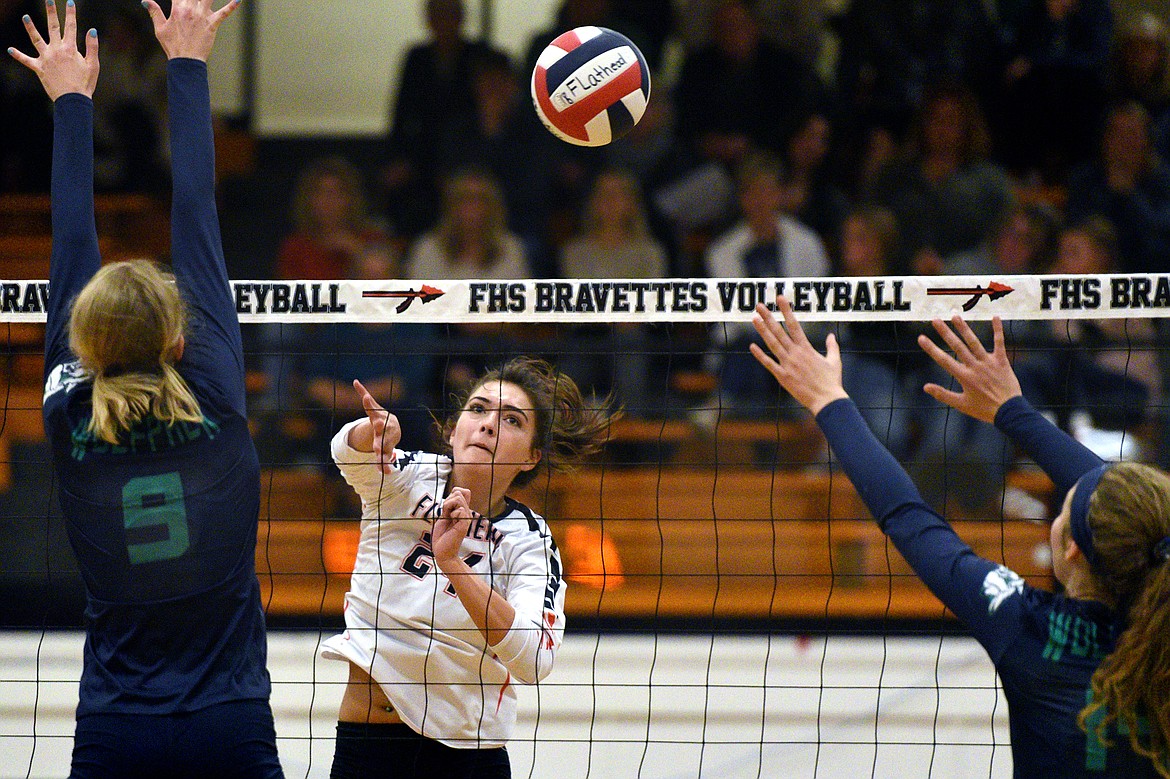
<point>1044,646</point>
<point>163,524</point>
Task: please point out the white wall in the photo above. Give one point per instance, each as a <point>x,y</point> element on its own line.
<point>327,68</point>
<point>224,69</point>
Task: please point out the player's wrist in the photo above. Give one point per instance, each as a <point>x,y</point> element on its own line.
<point>453,566</point>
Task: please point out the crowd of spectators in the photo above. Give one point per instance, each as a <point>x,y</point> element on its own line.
<point>899,136</point>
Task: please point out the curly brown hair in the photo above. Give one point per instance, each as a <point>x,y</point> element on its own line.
<point>1129,514</point>
<point>569,428</point>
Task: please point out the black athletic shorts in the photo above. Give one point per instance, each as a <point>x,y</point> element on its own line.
<point>397,752</point>
<point>232,740</point>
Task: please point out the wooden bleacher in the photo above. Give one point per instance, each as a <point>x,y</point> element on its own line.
<point>129,226</point>
<point>677,543</point>
<point>729,441</point>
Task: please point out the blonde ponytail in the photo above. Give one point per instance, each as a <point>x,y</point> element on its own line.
<point>126,327</point>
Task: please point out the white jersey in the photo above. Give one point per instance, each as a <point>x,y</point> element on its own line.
<point>406,627</point>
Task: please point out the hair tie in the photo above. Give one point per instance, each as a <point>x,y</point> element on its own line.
<point>1078,513</point>
<point>1161,551</point>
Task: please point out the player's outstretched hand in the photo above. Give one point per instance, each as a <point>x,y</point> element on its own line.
<point>810,377</point>
<point>986,380</point>
<point>60,66</point>
<point>189,31</point>
<point>384,427</point>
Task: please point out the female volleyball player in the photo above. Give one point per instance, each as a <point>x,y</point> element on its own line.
<point>457,592</point>
<point>1085,673</point>
<point>156,472</point>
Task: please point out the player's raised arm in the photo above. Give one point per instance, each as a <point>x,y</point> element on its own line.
<point>187,36</point>
<point>990,392</point>
<point>69,78</point>
<point>947,565</point>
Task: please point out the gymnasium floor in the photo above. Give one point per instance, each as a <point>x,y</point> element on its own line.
<point>626,706</point>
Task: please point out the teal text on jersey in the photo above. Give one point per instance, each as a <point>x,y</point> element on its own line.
<point>146,435</point>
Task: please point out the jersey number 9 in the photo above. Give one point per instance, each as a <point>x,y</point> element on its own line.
<point>155,517</point>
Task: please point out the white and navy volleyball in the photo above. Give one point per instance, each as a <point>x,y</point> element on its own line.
<point>590,86</point>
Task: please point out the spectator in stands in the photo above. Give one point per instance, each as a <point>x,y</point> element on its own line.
<point>810,192</point>
<point>331,231</point>
<point>503,136</point>
<point>945,193</point>
<point>1081,370</point>
<point>652,154</point>
<point>1129,185</point>
<point>765,243</point>
<point>796,26</point>
<point>884,366</point>
<point>891,51</point>
<point>1023,241</point>
<point>130,106</point>
<point>741,91</point>
<point>1141,66</point>
<point>471,241</point>
<point>435,91</point>
<point>614,242</point>
<point>331,227</point>
<point>395,361</point>
<point>1054,87</point>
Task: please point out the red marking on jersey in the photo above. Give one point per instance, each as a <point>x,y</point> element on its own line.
<point>504,686</point>
<point>547,641</point>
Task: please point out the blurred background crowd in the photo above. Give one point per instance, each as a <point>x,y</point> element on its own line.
<point>884,137</point>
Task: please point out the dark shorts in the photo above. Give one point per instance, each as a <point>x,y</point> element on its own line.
<point>235,740</point>
<point>397,752</point>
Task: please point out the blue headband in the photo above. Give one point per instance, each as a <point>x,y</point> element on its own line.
<point>1078,513</point>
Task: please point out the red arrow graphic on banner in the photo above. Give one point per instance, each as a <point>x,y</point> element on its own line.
<point>994,291</point>
<point>426,294</point>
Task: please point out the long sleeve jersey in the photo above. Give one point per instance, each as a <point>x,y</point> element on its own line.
<point>163,524</point>
<point>1045,646</point>
<point>406,627</point>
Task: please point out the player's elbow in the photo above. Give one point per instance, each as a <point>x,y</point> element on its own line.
<point>532,670</point>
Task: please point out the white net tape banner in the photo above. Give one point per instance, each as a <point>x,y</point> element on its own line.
<point>579,301</point>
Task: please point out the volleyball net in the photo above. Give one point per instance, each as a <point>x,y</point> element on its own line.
<point>730,601</point>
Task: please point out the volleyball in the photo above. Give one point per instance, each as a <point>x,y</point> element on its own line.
<point>590,86</point>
